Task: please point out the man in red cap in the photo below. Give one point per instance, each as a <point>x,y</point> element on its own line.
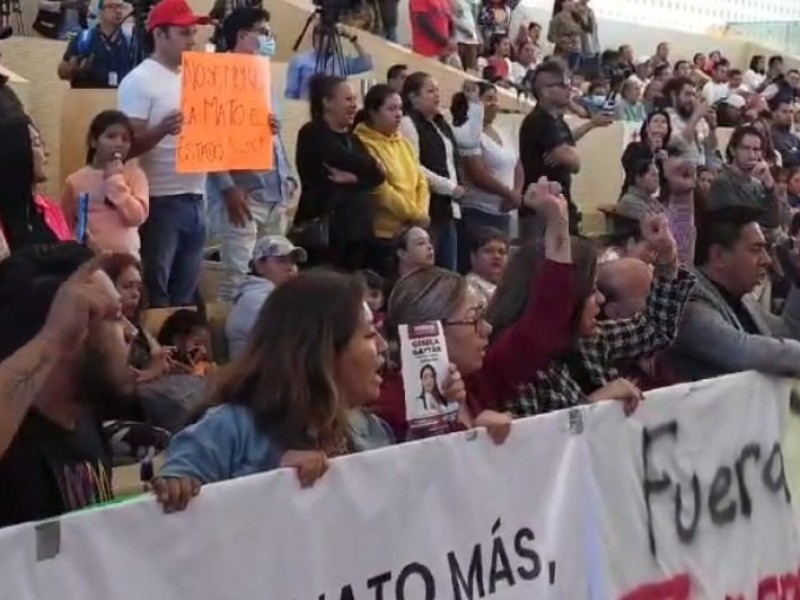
<point>175,232</point>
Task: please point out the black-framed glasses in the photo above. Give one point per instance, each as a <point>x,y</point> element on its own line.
<point>475,322</point>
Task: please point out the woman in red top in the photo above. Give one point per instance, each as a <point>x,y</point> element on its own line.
<point>500,56</point>
<point>26,217</point>
<point>490,374</point>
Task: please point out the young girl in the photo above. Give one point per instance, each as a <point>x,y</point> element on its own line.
<point>118,191</point>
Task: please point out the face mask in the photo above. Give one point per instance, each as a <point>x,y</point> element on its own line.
<point>266,46</point>
<point>596,100</point>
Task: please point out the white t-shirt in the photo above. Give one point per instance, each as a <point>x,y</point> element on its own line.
<point>753,80</point>
<point>438,184</point>
<point>501,161</point>
<point>714,92</point>
<point>465,30</point>
<point>694,152</point>
<point>150,92</point>
<point>517,72</point>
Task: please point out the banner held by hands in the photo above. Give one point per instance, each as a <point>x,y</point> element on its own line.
<point>226,106</point>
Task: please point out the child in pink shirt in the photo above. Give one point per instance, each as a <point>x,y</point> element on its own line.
<point>118,191</point>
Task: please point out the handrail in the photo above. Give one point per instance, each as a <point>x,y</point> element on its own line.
<point>783,36</point>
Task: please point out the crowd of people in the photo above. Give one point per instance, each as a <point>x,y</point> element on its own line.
<point>405,214</point>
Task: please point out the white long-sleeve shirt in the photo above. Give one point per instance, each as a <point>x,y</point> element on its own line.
<point>438,184</point>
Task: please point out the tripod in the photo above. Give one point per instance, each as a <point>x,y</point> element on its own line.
<point>327,41</point>
<point>7,8</point>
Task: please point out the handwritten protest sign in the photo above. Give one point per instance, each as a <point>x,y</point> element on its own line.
<point>226,108</point>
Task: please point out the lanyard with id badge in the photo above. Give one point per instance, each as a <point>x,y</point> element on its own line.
<point>112,50</point>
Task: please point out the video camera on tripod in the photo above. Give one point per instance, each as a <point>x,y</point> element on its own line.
<point>326,37</point>
<point>140,39</point>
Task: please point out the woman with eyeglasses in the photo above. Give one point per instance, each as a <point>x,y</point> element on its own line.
<point>481,376</point>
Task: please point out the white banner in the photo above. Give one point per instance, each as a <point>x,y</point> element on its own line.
<point>694,494</point>
<point>562,510</point>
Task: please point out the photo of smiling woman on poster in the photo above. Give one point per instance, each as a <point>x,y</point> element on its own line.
<point>430,399</point>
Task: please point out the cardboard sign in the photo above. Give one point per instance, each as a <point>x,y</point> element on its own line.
<point>226,109</point>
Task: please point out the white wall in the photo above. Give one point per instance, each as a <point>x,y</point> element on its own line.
<point>691,15</point>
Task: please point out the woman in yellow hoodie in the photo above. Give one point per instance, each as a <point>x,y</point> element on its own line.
<point>402,200</point>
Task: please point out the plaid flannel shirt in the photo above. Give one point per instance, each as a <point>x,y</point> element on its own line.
<point>642,336</point>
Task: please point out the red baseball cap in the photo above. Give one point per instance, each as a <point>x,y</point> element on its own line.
<point>175,13</point>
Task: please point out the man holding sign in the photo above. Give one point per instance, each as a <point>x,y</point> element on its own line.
<point>247,204</point>
<point>174,235</point>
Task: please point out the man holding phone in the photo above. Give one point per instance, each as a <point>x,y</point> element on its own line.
<point>547,144</point>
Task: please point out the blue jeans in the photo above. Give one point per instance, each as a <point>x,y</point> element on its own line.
<point>390,34</point>
<point>445,244</point>
<point>574,60</point>
<point>172,249</point>
<point>237,243</point>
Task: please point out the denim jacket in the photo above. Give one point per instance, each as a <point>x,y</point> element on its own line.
<point>226,444</point>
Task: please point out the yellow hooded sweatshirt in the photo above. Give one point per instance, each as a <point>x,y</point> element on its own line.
<point>404,197</point>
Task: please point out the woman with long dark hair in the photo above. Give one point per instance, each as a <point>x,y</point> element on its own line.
<point>431,134</point>
<point>294,398</point>
<point>756,75</point>
<point>499,57</point>
<point>587,371</point>
<point>335,214</point>
<point>26,217</point>
<point>493,171</point>
<point>654,137</point>
<point>430,399</point>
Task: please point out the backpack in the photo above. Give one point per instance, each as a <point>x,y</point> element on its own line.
<point>85,38</point>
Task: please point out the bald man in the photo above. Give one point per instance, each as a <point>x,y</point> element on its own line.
<point>625,283</point>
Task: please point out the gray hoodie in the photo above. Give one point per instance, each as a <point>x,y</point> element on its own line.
<point>249,299</point>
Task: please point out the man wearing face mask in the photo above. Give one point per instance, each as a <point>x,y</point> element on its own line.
<point>246,205</point>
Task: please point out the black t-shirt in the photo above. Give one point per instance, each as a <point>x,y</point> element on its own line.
<point>739,309</point>
<point>48,471</point>
<point>540,133</point>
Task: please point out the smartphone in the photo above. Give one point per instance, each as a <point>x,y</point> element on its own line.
<point>610,102</point>
<point>83,217</point>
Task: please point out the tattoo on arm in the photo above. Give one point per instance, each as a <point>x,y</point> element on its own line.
<point>25,382</point>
